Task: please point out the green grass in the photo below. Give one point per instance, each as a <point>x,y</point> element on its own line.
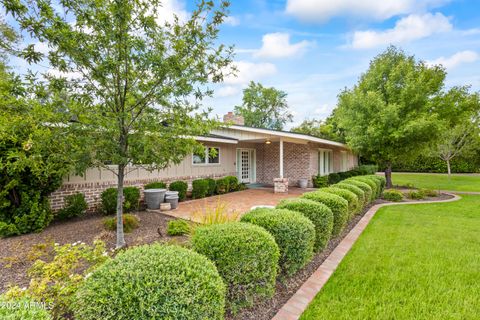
<point>412,262</point>
<point>437,181</point>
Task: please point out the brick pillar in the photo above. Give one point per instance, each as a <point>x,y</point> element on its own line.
<point>280,185</point>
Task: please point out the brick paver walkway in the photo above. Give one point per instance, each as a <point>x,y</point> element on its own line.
<point>236,203</point>
<point>297,304</point>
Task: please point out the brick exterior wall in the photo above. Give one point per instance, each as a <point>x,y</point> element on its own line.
<point>93,190</point>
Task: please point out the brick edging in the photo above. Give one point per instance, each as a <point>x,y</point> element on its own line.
<point>297,304</point>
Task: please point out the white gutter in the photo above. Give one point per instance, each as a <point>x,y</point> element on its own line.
<point>213,139</point>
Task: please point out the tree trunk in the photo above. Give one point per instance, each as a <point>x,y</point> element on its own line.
<point>449,170</point>
<point>388,175</point>
<point>120,234</point>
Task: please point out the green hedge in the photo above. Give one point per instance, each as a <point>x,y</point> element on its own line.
<point>155,185</point>
<point>374,185</point>
<point>109,200</point>
<point>337,204</point>
<point>362,185</point>
<point>320,181</point>
<point>212,185</point>
<point>361,195</point>
<point>181,187</point>
<point>352,199</point>
<point>75,206</point>
<point>199,188</point>
<point>227,184</point>
<point>152,282</point>
<point>246,257</point>
<point>22,309</point>
<point>392,195</point>
<point>320,215</point>
<point>293,233</point>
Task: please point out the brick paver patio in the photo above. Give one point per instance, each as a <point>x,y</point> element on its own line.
<point>236,203</point>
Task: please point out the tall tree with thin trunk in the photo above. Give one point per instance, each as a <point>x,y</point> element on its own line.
<point>136,78</point>
<point>388,114</point>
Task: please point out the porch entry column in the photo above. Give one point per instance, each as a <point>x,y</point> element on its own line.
<point>280,184</point>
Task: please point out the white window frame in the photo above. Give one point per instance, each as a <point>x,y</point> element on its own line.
<point>207,158</point>
<point>321,161</point>
<point>344,160</point>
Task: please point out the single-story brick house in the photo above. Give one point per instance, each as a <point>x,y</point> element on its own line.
<point>253,155</point>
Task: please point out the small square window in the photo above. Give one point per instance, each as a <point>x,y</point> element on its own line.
<point>199,158</point>
<point>214,155</point>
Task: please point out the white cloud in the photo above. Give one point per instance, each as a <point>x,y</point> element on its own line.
<point>322,10</point>
<point>169,8</point>
<point>227,91</point>
<point>406,29</point>
<point>277,45</point>
<point>232,21</point>
<point>456,59</point>
<point>249,71</point>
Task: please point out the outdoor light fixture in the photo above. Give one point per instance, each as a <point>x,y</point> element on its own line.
<point>268,142</point>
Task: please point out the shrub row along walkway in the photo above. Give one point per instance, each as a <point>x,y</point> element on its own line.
<point>297,304</point>
<point>236,203</point>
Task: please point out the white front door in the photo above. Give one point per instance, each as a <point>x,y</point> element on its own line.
<point>246,165</point>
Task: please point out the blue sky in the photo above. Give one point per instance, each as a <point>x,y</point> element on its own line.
<point>312,49</point>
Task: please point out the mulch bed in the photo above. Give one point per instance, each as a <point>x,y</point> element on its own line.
<point>15,252</point>
<point>266,309</point>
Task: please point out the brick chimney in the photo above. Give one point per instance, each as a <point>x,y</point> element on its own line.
<point>233,119</point>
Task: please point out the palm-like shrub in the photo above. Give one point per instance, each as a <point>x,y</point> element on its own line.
<point>320,215</point>
<point>293,233</point>
<point>337,204</point>
<point>153,282</point>
<point>246,257</point>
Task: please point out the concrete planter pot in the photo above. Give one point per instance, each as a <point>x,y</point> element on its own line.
<point>173,200</point>
<point>303,183</point>
<point>154,197</point>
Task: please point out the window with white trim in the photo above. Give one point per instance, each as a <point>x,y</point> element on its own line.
<point>344,161</point>
<point>325,161</point>
<point>210,155</point>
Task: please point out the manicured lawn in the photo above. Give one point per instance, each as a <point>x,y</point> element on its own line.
<point>411,262</point>
<point>438,181</point>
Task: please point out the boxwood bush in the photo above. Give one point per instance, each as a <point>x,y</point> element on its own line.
<point>337,204</point>
<point>246,257</point>
<point>109,200</point>
<point>362,200</point>
<point>293,233</point>
<point>371,182</point>
<point>362,185</point>
<point>382,179</point>
<point>178,227</point>
<point>392,195</point>
<point>212,185</point>
<point>75,206</point>
<point>155,185</point>
<point>22,309</point>
<point>199,188</point>
<point>378,183</point>
<point>320,215</point>
<point>415,195</point>
<point>152,282</point>
<point>352,199</point>
<point>320,181</point>
<point>181,187</point>
<point>130,222</point>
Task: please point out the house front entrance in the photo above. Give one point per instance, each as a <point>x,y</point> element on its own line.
<point>246,165</point>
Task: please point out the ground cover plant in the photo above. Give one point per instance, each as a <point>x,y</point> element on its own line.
<point>425,266</point>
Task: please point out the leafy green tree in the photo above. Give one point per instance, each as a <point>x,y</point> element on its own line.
<point>264,107</point>
<point>389,114</point>
<point>135,78</point>
<point>460,124</point>
<point>319,128</point>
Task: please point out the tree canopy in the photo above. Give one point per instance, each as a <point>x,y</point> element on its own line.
<point>389,113</point>
<point>134,78</point>
<point>264,107</point>
<point>325,129</point>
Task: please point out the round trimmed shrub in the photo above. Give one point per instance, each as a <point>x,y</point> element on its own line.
<point>371,182</point>
<point>362,185</point>
<point>22,309</point>
<point>337,204</point>
<point>293,233</point>
<point>199,188</point>
<point>152,282</point>
<point>131,197</point>
<point>392,195</point>
<point>181,187</point>
<point>320,215</point>
<point>246,257</point>
<point>212,185</point>
<point>382,180</point>
<point>75,206</point>
<point>353,205</point>
<point>358,192</point>
<point>155,185</point>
